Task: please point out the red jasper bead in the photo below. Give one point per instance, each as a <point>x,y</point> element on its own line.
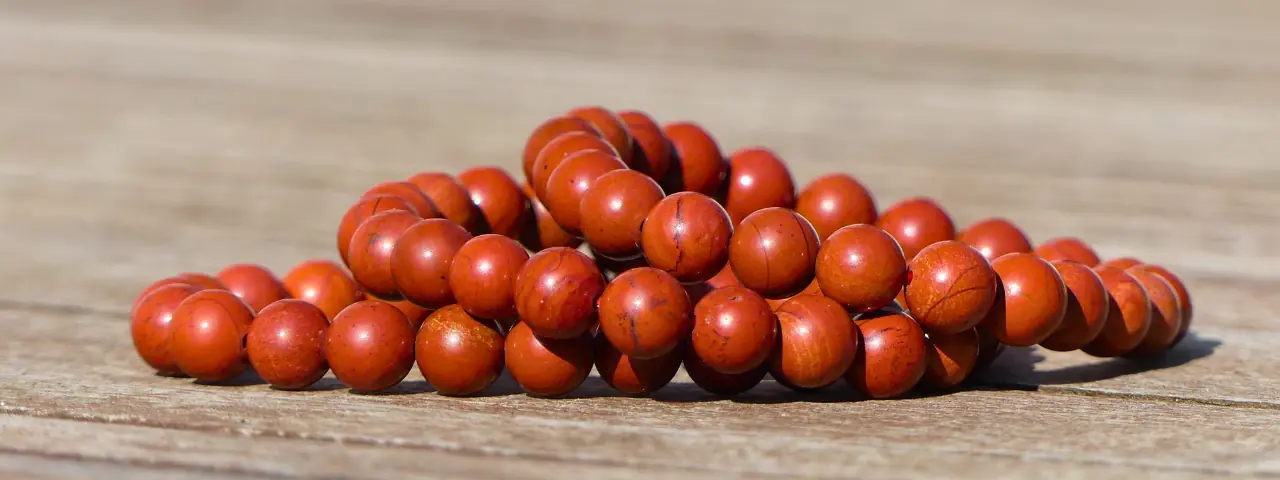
<point>413,312</point>
<point>951,358</point>
<point>361,211</point>
<point>652,153</point>
<point>1087,307</point>
<point>285,344</point>
<point>371,249</point>
<point>1068,248</point>
<point>569,183</point>
<point>254,284</point>
<point>543,232</point>
<point>951,287</point>
<point>408,192</point>
<point>812,289</point>
<point>1128,318</point>
<point>208,333</point>
<point>734,330</point>
<point>556,292</point>
<point>995,237</point>
<point>1166,313</point>
<point>773,252</point>
<point>202,281</point>
<point>459,354</point>
<point>634,376</point>
<point>817,343</point>
<point>450,197</point>
<point>1184,298</point>
<point>547,131</point>
<point>645,313</point>
<point>893,357</point>
<point>718,383</point>
<point>483,275</point>
<point>687,235</point>
<point>158,284</point>
<point>613,210</point>
<point>917,223</point>
<point>324,284</point>
<point>723,279</point>
<point>1030,302</point>
<point>1123,263</point>
<point>698,166</point>
<point>611,128</point>
<point>557,151</point>
<point>861,267</point>
<point>370,346</point>
<point>151,325</point>
<point>547,367</point>
<point>758,179</point>
<point>833,201</point>
<point>503,207</point>
<point>421,259</point>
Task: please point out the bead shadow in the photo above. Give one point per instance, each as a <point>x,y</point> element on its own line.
<point>1013,368</point>
<point>323,385</point>
<point>769,391</point>
<point>407,387</point>
<point>248,378</point>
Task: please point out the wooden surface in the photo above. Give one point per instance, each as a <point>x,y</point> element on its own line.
<point>146,137</point>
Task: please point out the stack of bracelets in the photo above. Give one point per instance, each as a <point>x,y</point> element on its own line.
<point>694,259</point>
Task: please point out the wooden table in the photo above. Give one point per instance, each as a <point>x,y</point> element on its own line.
<point>146,137</point>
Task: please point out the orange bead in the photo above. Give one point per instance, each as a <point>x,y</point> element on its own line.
<point>371,249</point>
<point>149,289</point>
<point>361,211</point>
<point>254,284</point>
<point>718,383</point>
<point>817,343</point>
<point>285,344</point>
<point>414,313</point>
<point>459,354</point>
<point>422,205</point>
<point>951,358</point>
<point>1184,298</point>
<point>483,275</point>
<point>1068,248</point>
<point>557,151</point>
<point>151,325</point>
<point>861,267</point>
<point>634,376</point>
<point>698,166</point>
<point>542,232</point>
<point>652,152</point>
<point>833,201</point>
<point>951,287</point>
<point>645,313</point>
<point>734,330</point>
<point>1166,313</point>
<point>556,293</point>
<point>687,235</point>
<point>611,128</point>
<point>548,131</point>
<point>995,237</point>
<point>503,207</point>
<point>773,251</point>
<point>917,223</point>
<point>209,329</point>
<point>1123,263</point>
<point>421,259</point>
<point>812,289</point>
<point>614,208</point>
<point>450,197</point>
<point>1128,319</point>
<point>1087,307</point>
<point>569,183</point>
<point>370,346</point>
<point>1030,302</point>
<point>201,280</point>
<point>547,367</point>
<point>324,284</point>
<point>758,179</point>
<point>894,355</point>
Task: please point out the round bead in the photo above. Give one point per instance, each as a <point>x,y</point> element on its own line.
<point>734,330</point>
<point>151,325</point>
<point>483,274</point>
<point>1122,263</point>
<point>687,235</point>
<point>158,284</point>
<point>652,153</point>
<point>718,383</point>
<point>557,151</point>
<point>569,183</point>
<point>370,346</point>
<point>547,131</point>
<point>371,249</point>
<point>645,313</point>
<point>286,344</point>
<point>503,207</point>
<point>758,179</point>
<point>450,197</point>
<point>421,259</point>
<point>614,208</point>
<point>1030,302</point>
<point>361,211</point>
<point>547,367</point>
<point>543,232</point>
<point>812,289</point>
<point>254,284</point>
<point>951,358</point>
<point>1184,298</point>
<point>817,345</point>
<point>202,281</point>
<point>995,237</point>
<point>698,166</point>
<point>413,312</point>
<point>773,252</point>
<point>1067,248</point>
<point>893,357</point>
<point>634,376</point>
<point>833,201</point>
<point>1166,313</point>
<point>861,267</point>
<point>408,192</point>
<point>323,284</point>
<point>1128,318</point>
<point>917,223</point>
<point>459,354</point>
<point>556,292</point>
<point>950,288</point>
<point>1087,309</point>
<point>611,128</point>
<point>209,329</point>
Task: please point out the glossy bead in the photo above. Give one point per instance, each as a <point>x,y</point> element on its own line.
<point>450,197</point>
<point>1122,263</point>
<point>951,358</point>
<point>773,252</point>
<point>1166,313</point>
<point>556,292</point>
<point>718,383</point>
<point>361,211</point>
<point>613,209</point>
<point>569,183</point>
<point>408,192</point>
<point>547,367</point>
<point>542,231</point>
<point>917,223</point>
<point>634,376</point>
<point>687,235</point>
<point>208,334</point>
<point>950,288</point>
<point>370,346</point>
<point>734,330</point>
<point>652,151</point>
<point>833,201</point>
<point>812,289</point>
<point>1067,248</point>
<point>324,284</point>
<point>459,354</point>
<point>817,342</point>
<point>1087,307</point>
<point>758,179</point>
<point>1128,316</point>
<point>547,131</point>
<point>151,325</point>
<point>254,284</point>
<point>1184,298</point>
<point>698,166</point>
<point>371,249</point>
<point>203,281</point>
<point>861,267</point>
<point>611,128</point>
<point>421,259</point>
<point>1030,303</point>
<point>995,237</point>
<point>483,275</point>
<point>645,313</point>
<point>893,358</point>
<point>158,284</point>
<point>413,312</point>
<point>503,207</point>
<point>557,151</point>
<point>286,344</point>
